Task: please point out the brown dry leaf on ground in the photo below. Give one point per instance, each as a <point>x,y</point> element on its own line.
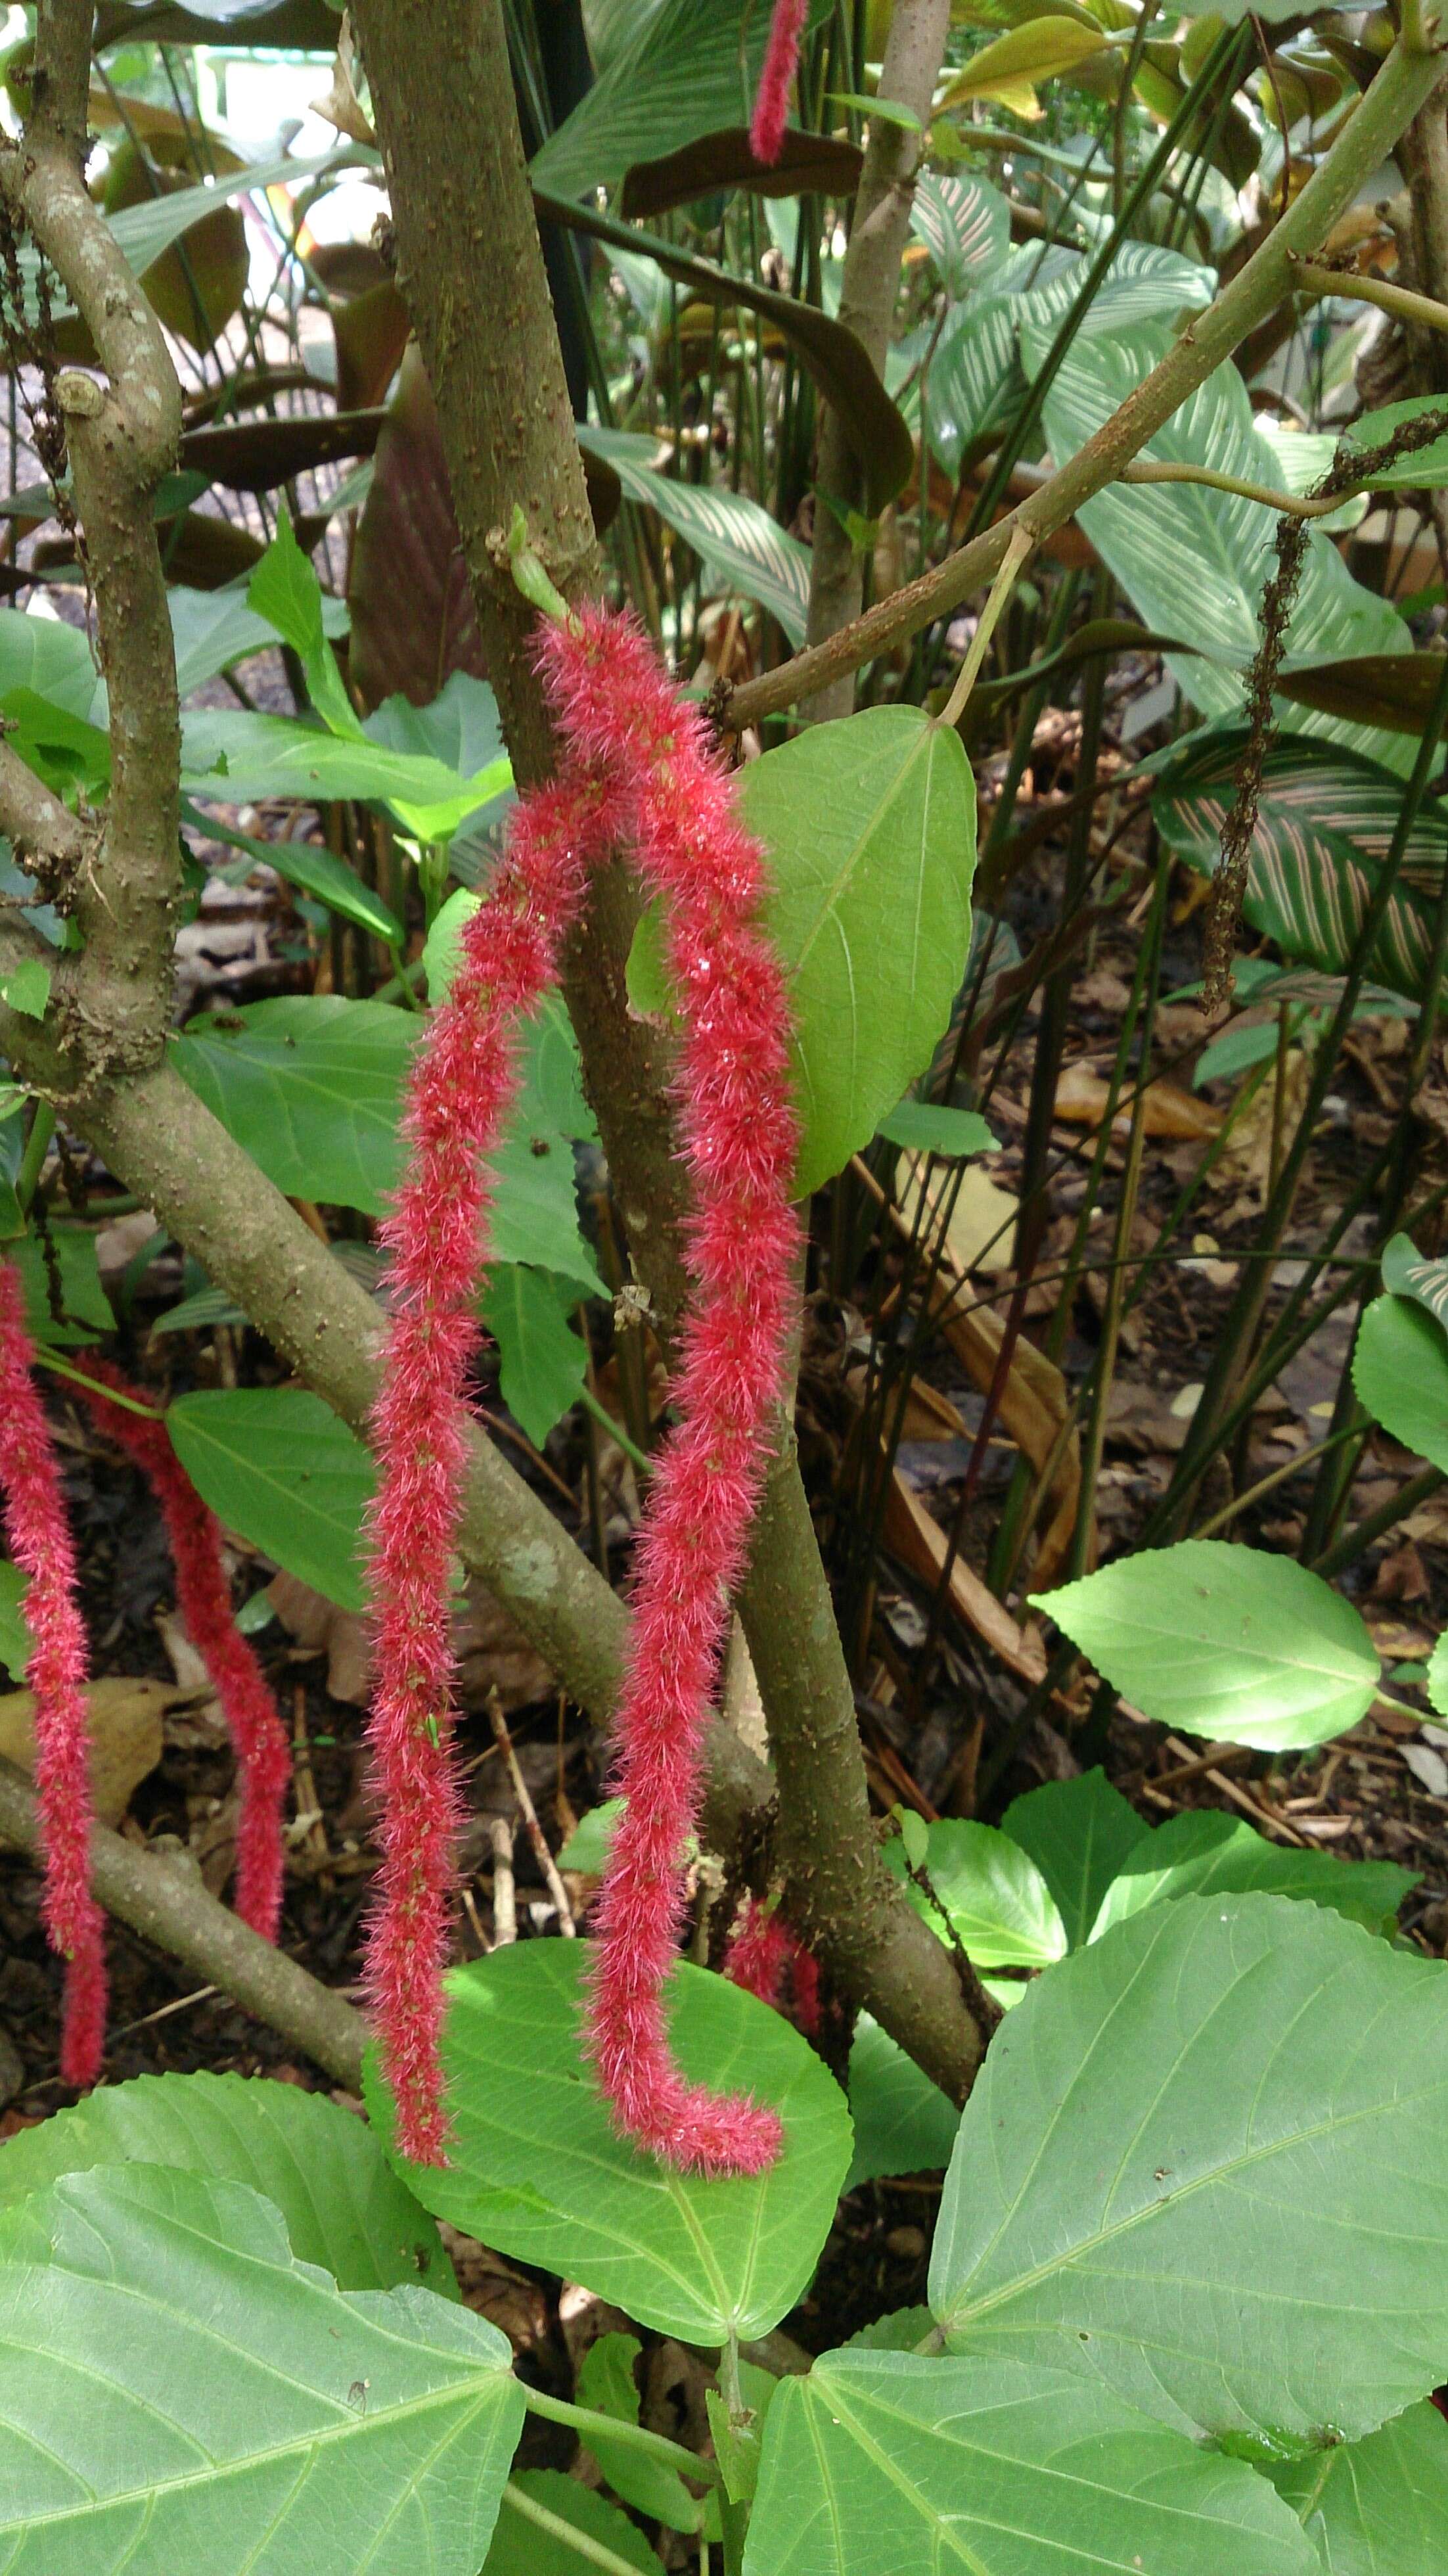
<point>982,1224</point>
<point>1167,1110</point>
<point>1032,1408</point>
<point>125,1736</point>
<point>921,1545</point>
<point>1245,1162</point>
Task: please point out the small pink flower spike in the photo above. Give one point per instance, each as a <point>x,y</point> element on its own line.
<point>32,1506</point>
<point>762,1952</point>
<point>758,1952</point>
<point>618,712</point>
<point>462,1087</point>
<point>203,1597</point>
<point>776,80</point>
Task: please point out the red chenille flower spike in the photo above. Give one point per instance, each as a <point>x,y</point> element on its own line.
<point>776,79</point>
<point>617,709</point>
<point>37,1532</point>
<point>463,1085</point>
<point>203,1597</point>
<point>638,771</point>
<point>762,1952</point>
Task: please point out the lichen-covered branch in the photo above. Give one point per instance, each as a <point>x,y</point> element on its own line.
<point>169,1904</point>
<point>121,436</point>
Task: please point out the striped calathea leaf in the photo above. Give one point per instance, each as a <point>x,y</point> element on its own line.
<point>1324,827</point>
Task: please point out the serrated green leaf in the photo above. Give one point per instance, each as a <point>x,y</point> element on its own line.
<point>241,2413</point>
<point>999,1905</point>
<point>538,2170</point>
<point>16,1642</point>
<point>901,2331</point>
<point>882,2461</point>
<point>586,1849</point>
<point>1400,1373</point>
<point>922,1127</point>
<point>903,2123</point>
<point>342,2204</point>
<point>606,2384</point>
<point>311,1085</point>
<point>277,1466</point>
<point>543,1362</point>
<point>1078,1833</point>
<point>1171,2174</point>
<point>869,827</point>
<point>1225,1642</point>
<point>1204,1853</point>
<point>27,988</point>
<point>1378,2507</point>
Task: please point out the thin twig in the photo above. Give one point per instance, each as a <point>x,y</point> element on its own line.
<point>505,1907</point>
<point>529,1814</point>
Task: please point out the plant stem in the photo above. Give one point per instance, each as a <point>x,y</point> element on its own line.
<point>1285,505</point>
<point>50,1359</point>
<point>566,2535</point>
<point>1021,545</point>
<point>604,1419</point>
<point>1268,1484</point>
<point>1375,1525</point>
<point>1401,301</point>
<point>586,2421</point>
<point>169,1904</point>
<point>37,1146</point>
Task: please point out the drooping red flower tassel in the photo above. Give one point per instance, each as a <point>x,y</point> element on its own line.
<point>462,1087</point>
<point>638,770</point>
<point>738,1132</point>
<point>776,79</point>
<point>203,1597</point>
<point>37,1532</point>
<point>763,1952</point>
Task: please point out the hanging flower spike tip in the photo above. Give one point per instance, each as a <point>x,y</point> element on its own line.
<point>203,1597</point>
<point>776,80</point>
<point>738,1134</point>
<point>462,1087</point>
<point>637,773</point>
<point>32,1505</point>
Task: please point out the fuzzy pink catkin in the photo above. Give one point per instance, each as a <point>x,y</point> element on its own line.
<point>620,716</point>
<point>37,1532</point>
<point>638,772</point>
<point>776,79</point>
<point>462,1087</point>
<point>203,1597</point>
<point>764,1951</point>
